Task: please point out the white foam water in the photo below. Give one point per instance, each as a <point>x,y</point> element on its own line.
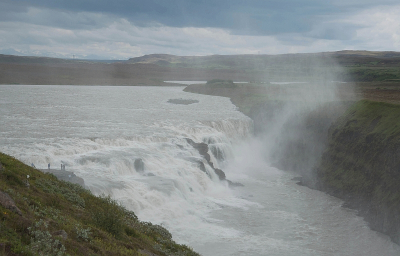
<point>99,132</point>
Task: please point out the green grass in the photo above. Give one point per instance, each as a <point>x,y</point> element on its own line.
<point>361,159</point>
<point>369,74</point>
<point>95,225</point>
<point>372,117</point>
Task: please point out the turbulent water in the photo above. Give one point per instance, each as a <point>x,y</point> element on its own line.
<point>98,132</point>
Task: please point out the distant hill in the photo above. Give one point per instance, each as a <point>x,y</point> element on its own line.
<point>223,61</point>
<point>261,61</point>
<point>386,54</point>
<point>153,69</point>
<point>361,66</point>
<point>46,60</point>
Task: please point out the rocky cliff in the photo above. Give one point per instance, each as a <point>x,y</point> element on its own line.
<point>351,151</point>
<point>361,164</point>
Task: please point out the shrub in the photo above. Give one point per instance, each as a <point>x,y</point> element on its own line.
<point>156,231</point>
<point>47,212</point>
<point>108,215</point>
<point>131,232</point>
<point>42,243</point>
<point>69,191</point>
<point>82,234</point>
<point>130,217</point>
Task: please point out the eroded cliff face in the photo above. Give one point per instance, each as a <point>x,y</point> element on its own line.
<point>301,137</point>
<point>350,150</point>
<point>361,164</point>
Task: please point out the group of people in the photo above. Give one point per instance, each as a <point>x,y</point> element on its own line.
<point>48,166</point>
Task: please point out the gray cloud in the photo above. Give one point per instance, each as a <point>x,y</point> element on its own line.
<point>53,17</point>
<point>334,31</point>
<point>123,29</point>
<point>253,17</point>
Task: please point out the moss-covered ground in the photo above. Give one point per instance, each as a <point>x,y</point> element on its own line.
<point>61,218</point>
<point>374,118</point>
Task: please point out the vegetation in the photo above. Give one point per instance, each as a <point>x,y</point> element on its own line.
<point>60,218</point>
<point>361,163</point>
<point>370,74</point>
<point>363,139</point>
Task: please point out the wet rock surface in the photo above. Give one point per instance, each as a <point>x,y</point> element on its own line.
<point>7,202</point>
<point>139,165</point>
<point>182,101</point>
<point>203,150</point>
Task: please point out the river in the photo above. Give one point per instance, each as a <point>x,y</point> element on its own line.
<point>98,132</point>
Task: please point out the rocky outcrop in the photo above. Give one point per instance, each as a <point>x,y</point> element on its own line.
<point>361,164</point>
<point>352,153</point>
<point>182,101</point>
<point>7,202</point>
<point>203,150</point>
<point>65,176</point>
<point>217,152</point>
<point>60,233</point>
<point>298,144</point>
<point>139,165</point>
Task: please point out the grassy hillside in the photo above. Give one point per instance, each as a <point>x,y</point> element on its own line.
<point>59,218</point>
<point>361,163</point>
<point>363,139</point>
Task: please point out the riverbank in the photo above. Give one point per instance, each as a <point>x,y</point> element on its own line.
<point>361,164</point>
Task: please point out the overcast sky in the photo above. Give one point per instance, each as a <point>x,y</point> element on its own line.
<point>121,29</point>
